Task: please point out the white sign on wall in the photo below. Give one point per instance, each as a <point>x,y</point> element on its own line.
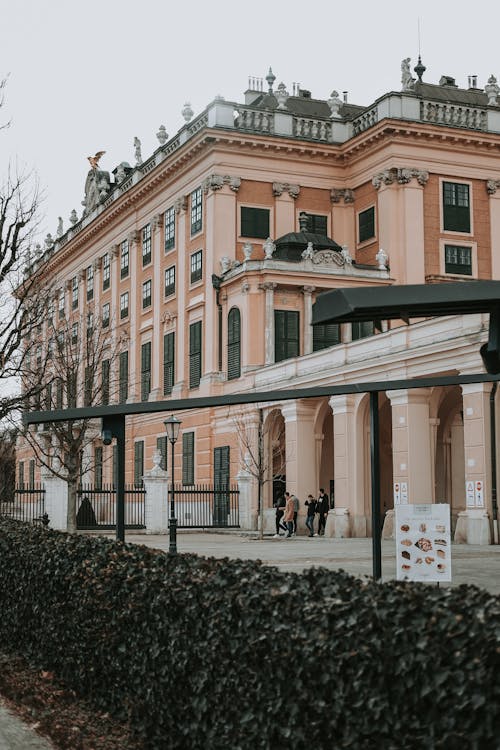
<point>404,493</point>
<point>470,494</point>
<point>397,493</point>
<point>479,493</point>
<point>423,542</point>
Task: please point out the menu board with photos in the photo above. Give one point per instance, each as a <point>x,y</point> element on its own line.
<point>423,542</point>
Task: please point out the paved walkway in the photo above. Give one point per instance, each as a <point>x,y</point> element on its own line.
<point>470,564</point>
<point>16,735</point>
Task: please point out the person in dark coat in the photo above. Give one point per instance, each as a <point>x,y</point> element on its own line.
<point>280,509</point>
<point>311,511</point>
<point>322,508</point>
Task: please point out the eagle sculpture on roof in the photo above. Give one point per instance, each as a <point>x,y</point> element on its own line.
<point>94,160</point>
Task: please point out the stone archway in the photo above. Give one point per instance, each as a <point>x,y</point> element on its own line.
<point>385,457</point>
<point>325,451</point>
<point>450,453</point>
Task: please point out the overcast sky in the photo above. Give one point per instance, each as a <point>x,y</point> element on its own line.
<point>88,76</point>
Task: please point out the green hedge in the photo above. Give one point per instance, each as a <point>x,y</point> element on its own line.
<point>233,655</point>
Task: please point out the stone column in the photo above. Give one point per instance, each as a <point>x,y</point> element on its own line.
<point>134,351</point>
<point>434,424</point>
<point>157,284</point>
<point>473,524</point>
<point>156,508</point>
<point>411,443</point>
<point>494,205</point>
<point>269,288</point>
<point>248,500</point>
<point>56,500</point>
<point>348,469</point>
<point>284,208</point>
<point>301,476</point>
<point>308,329</point>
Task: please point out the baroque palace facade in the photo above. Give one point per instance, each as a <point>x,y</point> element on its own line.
<point>206,257</point>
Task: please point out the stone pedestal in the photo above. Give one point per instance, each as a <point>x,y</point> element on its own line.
<point>338,524</point>
<point>388,528</point>
<point>473,527</point>
<point>56,501</point>
<point>157,499</point>
<point>248,511</point>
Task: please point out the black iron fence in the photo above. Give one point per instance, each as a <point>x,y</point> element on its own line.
<point>206,506</point>
<point>28,504</point>
<point>97,507</point>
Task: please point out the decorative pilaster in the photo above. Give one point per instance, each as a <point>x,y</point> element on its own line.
<point>494,204</point>
<point>307,291</point>
<point>284,211</point>
<point>269,288</point>
<point>301,476</point>
<point>343,219</point>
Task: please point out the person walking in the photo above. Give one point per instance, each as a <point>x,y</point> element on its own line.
<point>311,511</point>
<point>295,513</point>
<point>322,508</point>
<point>289,511</point>
<point>280,510</point>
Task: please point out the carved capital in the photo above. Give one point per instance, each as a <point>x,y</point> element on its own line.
<point>97,264</point>
<point>308,289</point>
<point>115,251</point>
<point>268,286</point>
<point>245,287</point>
<point>81,275</point>
<point>386,177</point>
<point>345,194</point>
<point>216,182</point>
<point>157,221</point>
<point>280,187</point>
<point>181,204</point>
<point>491,186</point>
<point>401,175</point>
<point>133,236</point>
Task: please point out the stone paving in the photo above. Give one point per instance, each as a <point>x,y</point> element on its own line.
<point>470,564</point>
<point>16,735</point>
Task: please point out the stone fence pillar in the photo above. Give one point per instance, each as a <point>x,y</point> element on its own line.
<point>56,500</point>
<point>248,512</point>
<point>156,500</point>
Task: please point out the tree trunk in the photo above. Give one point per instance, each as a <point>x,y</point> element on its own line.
<point>72,502</point>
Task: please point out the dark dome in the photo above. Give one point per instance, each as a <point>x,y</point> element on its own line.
<point>292,245</point>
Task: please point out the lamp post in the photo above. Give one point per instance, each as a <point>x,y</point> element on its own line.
<point>172,426</point>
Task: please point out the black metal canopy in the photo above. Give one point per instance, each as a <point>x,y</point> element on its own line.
<point>405,302</point>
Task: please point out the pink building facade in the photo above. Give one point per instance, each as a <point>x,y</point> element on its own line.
<point>206,259</point>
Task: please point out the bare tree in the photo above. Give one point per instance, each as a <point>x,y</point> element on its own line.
<point>81,354</point>
<point>262,452</point>
<point>7,464</point>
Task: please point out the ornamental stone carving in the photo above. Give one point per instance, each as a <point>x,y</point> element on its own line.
<point>133,236</point>
<point>348,259</point>
<point>491,186</point>
<point>162,135</point>
<point>382,258</point>
<point>217,182</point>
<point>169,316</point>
<point>345,194</point>
<point>281,96</point>
<point>335,103</point>
<point>115,251</point>
<point>268,286</point>
<point>280,187</point>
<point>383,178</point>
<point>247,250</point>
<point>492,89</point>
<point>137,151</point>
<point>401,175</point>
<point>245,287</point>
<point>328,257</point>
<point>308,253</point>
<point>308,289</point>
<point>407,82</point>
<point>73,217</point>
<point>225,264</point>
<point>269,248</point>
<point>181,204</point>
<point>157,221</point>
<point>60,229</point>
<point>97,187</point>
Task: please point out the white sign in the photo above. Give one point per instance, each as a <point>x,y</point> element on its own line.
<point>479,494</point>
<point>470,494</point>
<point>404,492</point>
<point>397,493</point>
<point>423,542</point>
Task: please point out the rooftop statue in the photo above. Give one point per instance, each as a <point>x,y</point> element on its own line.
<point>407,82</point>
<point>94,160</point>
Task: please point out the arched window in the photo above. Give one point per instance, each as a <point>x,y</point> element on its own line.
<point>233,344</point>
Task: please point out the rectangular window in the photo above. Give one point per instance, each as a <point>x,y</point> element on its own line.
<point>458,260</point>
<point>106,271</point>
<point>90,282</point>
<point>124,259</point>
<point>286,334</point>
<point>74,333</point>
<point>161,447</point>
<point>146,294</point>
<point>124,305</point>
<point>168,362</point>
<point>360,330</point>
<point>196,211</point>
<point>255,222</point>
<point>194,354</point>
<point>105,371</point>
<point>366,224</point>
<point>169,228</point>
<point>145,370</point>
<point>317,224</point>
<point>325,336</point>
<point>456,207</point>
<point>221,466</point>
<point>138,462</point>
<point>90,324</point>
<point>196,266</point>
<point>188,458</point>
<point>74,292</point>
<point>105,315</point>
<point>146,245</point>
<point>169,281</point>
<point>31,473</point>
<point>21,475</point>
<point>123,377</point>
<point>60,305</point>
<point>98,467</point>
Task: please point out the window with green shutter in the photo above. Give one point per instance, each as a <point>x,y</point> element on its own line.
<point>168,362</point>
<point>233,344</point>
<point>456,207</point>
<point>221,466</point>
<point>195,354</point>
<point>161,447</point>
<point>221,507</point>
<point>458,259</point>
<point>123,377</point>
<point>325,336</point>
<point>196,211</point>
<point>255,222</point>
<point>145,370</point>
<point>138,462</point>
<point>362,329</point>
<point>317,224</point>
<point>286,334</point>
<point>366,224</point>
<point>187,458</point>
